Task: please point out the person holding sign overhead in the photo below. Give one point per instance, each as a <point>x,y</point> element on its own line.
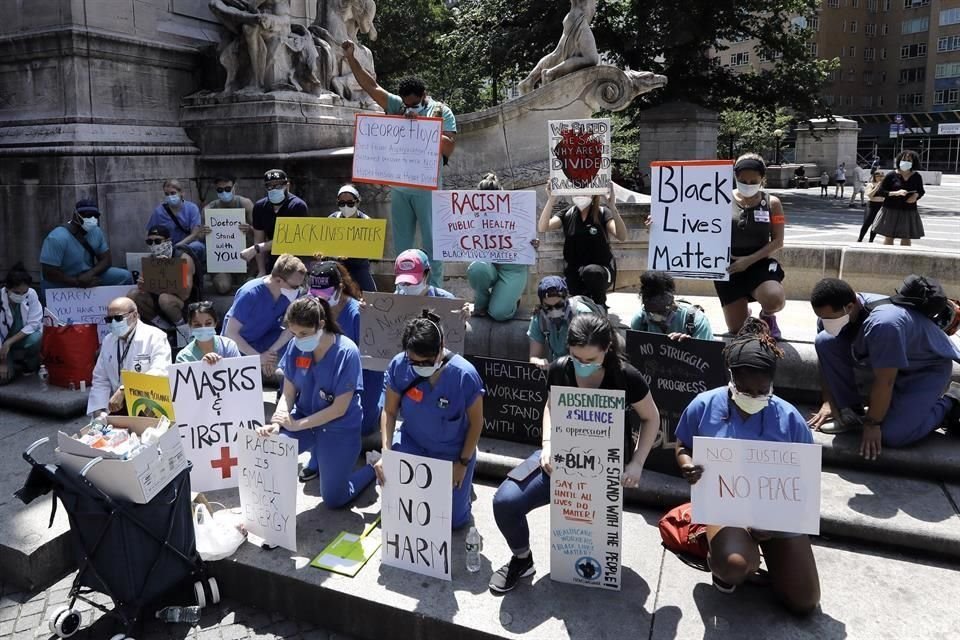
<point>410,206</point>
<point>551,320</point>
<point>206,345</point>
<point>320,404</point>
<point>663,313</point>
<point>595,362</point>
<point>756,234</point>
<point>168,306</point>
<point>348,207</point>
<point>747,409</point>
<point>440,395</point>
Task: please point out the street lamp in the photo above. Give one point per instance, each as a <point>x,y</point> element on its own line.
<point>777,134</point>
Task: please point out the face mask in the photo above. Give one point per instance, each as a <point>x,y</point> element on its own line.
<point>290,294</point>
<point>660,318</point>
<point>89,224</point>
<point>162,250</point>
<point>225,196</point>
<point>16,298</point>
<point>834,326</point>
<point>906,165</point>
<point>412,289</point>
<point>748,190</point>
<point>348,211</point>
<point>173,199</point>
<point>119,328</point>
<point>556,314</point>
<point>310,343</point>
<point>585,370</point>
<point>582,202</point>
<point>276,196</point>
<point>749,404</point>
<point>426,372</point>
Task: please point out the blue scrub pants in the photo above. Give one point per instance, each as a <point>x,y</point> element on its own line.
<point>408,208</point>
<point>335,452</point>
<point>461,496</point>
<point>917,407</point>
<point>360,272</point>
<point>372,399</point>
<point>497,287</point>
<point>514,500</point>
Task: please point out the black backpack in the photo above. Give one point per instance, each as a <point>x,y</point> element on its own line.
<point>927,296</point>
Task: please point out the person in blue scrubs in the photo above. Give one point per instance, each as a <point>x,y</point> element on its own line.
<point>663,313</point>
<point>206,345</point>
<point>182,219</point>
<point>911,359</point>
<point>320,405</point>
<point>255,320</point>
<point>412,276</point>
<point>551,320</point>
<point>746,409</point>
<point>441,397</point>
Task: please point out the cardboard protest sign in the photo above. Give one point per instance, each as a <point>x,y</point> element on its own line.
<point>586,497</point>
<point>84,306</point>
<point>495,226</point>
<point>135,263</point>
<point>147,395</point>
<point>348,553</point>
<point>691,208</point>
<point>170,275</point>
<point>268,487</point>
<point>580,155</point>
<point>225,241</point>
<point>397,150</point>
<point>214,404</point>
<point>386,314</point>
<point>417,509</point>
<point>676,372</point>
<point>339,237</point>
<point>774,486</point>
<point>516,393</point>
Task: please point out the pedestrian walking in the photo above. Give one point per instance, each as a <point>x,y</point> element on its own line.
<point>840,179</point>
<point>874,203</point>
<point>824,183</point>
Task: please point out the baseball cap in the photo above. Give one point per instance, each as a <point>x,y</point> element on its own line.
<point>87,206</point>
<point>158,231</point>
<point>324,275</point>
<point>410,266</point>
<point>552,286</point>
<point>274,174</point>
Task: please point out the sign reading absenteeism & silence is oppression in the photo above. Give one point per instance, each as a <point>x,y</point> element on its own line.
<point>396,150</point>
<point>580,156</point>
<point>341,237</point>
<point>516,393</point>
<point>495,226</point>
<point>691,208</point>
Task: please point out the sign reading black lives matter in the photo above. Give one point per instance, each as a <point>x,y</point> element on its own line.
<point>691,206</point>
<point>676,373</point>
<point>516,393</point>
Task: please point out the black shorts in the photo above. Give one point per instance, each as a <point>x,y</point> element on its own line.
<point>741,285</point>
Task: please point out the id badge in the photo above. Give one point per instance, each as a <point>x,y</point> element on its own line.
<point>761,215</point>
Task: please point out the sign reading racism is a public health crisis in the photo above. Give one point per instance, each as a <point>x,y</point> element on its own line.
<point>580,156</point>
<point>495,226</point>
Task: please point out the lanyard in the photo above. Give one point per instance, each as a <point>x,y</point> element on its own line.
<point>126,349</point>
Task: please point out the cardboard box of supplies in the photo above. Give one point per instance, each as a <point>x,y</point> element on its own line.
<point>138,479</point>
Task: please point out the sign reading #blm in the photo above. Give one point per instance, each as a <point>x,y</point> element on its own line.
<point>691,208</point>
<point>516,393</point>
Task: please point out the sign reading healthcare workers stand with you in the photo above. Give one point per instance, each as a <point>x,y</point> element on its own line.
<point>691,206</point>
<point>586,497</point>
<point>580,157</point>
<point>494,226</point>
<point>397,150</point>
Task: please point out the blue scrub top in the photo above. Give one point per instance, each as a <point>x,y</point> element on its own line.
<point>62,250</point>
<point>712,414</point>
<point>222,345</point>
<point>435,417</point>
<point>189,217</point>
<point>901,338</point>
<point>260,315</point>
<point>349,320</point>
<point>319,383</point>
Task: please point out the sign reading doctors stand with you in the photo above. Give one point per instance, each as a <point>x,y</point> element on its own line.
<point>495,226</point>
<point>691,206</point>
<point>396,150</point>
<point>214,405</point>
<point>580,156</point>
<point>225,241</point>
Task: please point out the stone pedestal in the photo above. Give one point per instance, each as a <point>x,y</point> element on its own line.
<point>828,144</point>
<point>676,131</point>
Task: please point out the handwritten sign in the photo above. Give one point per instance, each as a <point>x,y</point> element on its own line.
<point>675,372</point>
<point>690,205</point>
<point>397,150</point>
<point>514,401</point>
<point>214,404</point>
<point>773,486</point>
<point>417,503</point>
<point>225,241</point>
<point>84,306</point>
<point>496,226</point>
<point>386,314</point>
<point>170,275</point>
<point>586,497</point>
<point>343,237</point>
<point>147,395</point>
<point>580,156</point>
<point>268,487</point>
<point>135,263</point>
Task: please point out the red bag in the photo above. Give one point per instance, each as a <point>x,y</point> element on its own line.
<point>688,541</point>
<point>70,353</point>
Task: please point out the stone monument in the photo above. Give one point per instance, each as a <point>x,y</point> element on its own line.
<point>576,50</point>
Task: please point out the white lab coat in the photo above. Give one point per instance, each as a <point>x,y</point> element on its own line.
<point>149,353</point>
<point>30,311</point>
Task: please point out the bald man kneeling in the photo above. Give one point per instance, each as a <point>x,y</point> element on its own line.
<point>131,345</point>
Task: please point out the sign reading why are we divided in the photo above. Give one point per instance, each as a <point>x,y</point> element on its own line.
<point>580,155</point>
<point>586,497</point>
<point>676,371</point>
<point>341,237</point>
<point>84,306</point>
<point>417,503</point>
<point>495,226</point>
<point>214,405</point>
<point>225,241</point>
<point>147,395</point>
<point>170,275</point>
<point>396,150</point>
<point>774,486</point>
<point>691,206</point>
<point>516,393</point>
<point>268,487</point>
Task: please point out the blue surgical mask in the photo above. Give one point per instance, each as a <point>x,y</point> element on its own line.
<point>119,328</point>
<point>89,224</point>
<point>225,196</point>
<point>204,334</point>
<point>905,165</point>
<point>276,196</point>
<point>585,370</point>
<point>173,199</point>
<point>309,343</point>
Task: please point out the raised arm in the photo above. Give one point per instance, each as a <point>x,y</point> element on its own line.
<point>367,82</point>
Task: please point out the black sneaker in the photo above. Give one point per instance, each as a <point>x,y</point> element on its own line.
<point>951,421</point>
<point>505,579</point>
<point>307,474</point>
<point>723,587</point>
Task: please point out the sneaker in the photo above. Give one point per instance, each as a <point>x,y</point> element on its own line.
<point>723,587</point>
<point>307,474</point>
<point>373,456</point>
<point>849,420</point>
<point>771,321</point>
<point>505,579</point>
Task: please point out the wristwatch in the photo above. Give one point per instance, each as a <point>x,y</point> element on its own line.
<point>464,461</point>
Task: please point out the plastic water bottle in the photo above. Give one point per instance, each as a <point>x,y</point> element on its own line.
<point>189,615</point>
<point>473,546</point>
<point>44,376</point>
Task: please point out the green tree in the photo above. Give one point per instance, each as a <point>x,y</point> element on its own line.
<point>751,130</point>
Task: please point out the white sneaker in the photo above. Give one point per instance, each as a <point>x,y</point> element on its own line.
<point>373,457</point>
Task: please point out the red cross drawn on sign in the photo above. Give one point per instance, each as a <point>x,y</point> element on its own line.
<point>225,463</point>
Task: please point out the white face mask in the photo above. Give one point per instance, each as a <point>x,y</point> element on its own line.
<point>349,212</point>
<point>16,298</point>
<point>582,202</point>
<point>412,289</point>
<point>89,224</point>
<point>906,165</point>
<point>290,294</point>
<point>749,404</point>
<point>834,326</point>
<point>748,190</point>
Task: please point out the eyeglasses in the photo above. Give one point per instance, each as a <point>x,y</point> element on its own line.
<point>153,241</point>
<point>346,203</point>
<point>559,306</point>
<point>275,185</point>
<point>422,363</point>
<point>202,307</point>
<point>224,189</point>
<point>417,105</point>
<point>116,318</point>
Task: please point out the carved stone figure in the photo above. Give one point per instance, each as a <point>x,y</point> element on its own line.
<point>339,20</point>
<point>577,48</point>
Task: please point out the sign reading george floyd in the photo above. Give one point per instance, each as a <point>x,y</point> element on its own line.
<point>396,150</point>
<point>676,372</point>
<point>580,156</point>
<point>496,226</point>
<point>225,241</point>
<point>170,275</point>
<point>691,206</point>
<point>341,237</point>
<point>516,393</point>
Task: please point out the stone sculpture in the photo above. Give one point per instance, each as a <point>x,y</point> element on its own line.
<point>339,20</point>
<point>576,50</point>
